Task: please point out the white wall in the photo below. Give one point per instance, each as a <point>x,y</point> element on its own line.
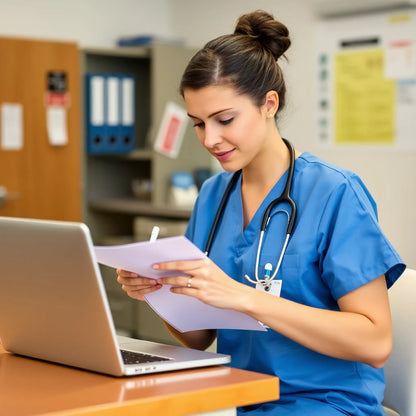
<point>390,175</point>
<point>90,23</point>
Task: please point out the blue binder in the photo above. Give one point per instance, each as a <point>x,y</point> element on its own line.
<point>95,117</point>
<point>127,131</point>
<point>110,113</point>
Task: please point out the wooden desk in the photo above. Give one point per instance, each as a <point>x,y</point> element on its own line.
<point>32,387</point>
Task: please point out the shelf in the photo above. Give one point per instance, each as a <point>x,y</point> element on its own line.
<point>111,210</point>
<point>135,207</point>
<point>138,154</point>
<point>133,52</point>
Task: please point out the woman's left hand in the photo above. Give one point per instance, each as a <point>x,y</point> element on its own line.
<point>204,280</point>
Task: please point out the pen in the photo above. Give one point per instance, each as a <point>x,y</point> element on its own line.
<point>155,233</point>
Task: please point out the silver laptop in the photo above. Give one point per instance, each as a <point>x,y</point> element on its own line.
<point>53,305</point>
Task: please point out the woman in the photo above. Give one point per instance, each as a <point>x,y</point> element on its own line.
<point>327,309</point>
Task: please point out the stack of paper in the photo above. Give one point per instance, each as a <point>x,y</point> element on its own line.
<point>185,313</point>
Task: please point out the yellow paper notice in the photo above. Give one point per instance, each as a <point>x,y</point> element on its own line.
<point>364,99</point>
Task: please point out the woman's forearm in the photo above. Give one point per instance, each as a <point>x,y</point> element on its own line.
<point>361,331</point>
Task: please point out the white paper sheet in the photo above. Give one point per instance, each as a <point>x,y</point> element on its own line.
<point>400,60</point>
<point>11,126</point>
<point>56,125</point>
<point>185,313</point>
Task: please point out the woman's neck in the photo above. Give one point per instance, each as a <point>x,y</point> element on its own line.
<point>264,172</point>
<point>260,177</point>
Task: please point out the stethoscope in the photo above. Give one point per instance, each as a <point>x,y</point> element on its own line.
<point>283,198</point>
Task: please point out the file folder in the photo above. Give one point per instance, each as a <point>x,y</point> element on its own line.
<point>110,113</point>
<point>127,113</point>
<point>95,112</point>
<point>112,107</point>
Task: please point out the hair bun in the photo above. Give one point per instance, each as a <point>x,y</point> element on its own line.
<point>264,29</point>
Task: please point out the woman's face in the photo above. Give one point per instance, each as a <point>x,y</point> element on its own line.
<point>229,125</point>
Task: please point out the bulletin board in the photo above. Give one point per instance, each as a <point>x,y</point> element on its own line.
<point>366,80</point>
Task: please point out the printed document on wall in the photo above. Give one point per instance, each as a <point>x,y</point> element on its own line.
<point>364,99</point>
<point>366,80</point>
<point>11,126</point>
<point>57,125</point>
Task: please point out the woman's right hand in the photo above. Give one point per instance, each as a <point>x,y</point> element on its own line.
<point>136,286</point>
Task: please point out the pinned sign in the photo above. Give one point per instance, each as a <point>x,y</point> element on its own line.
<point>57,89</point>
<point>57,102</point>
<point>171,131</point>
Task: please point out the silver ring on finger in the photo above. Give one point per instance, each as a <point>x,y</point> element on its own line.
<point>189,282</point>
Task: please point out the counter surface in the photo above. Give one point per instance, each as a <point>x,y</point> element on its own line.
<point>29,386</point>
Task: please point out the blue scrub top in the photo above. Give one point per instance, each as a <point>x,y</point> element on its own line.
<point>336,247</point>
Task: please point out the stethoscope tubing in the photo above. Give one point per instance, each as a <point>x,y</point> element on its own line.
<point>220,210</point>
<point>283,198</point>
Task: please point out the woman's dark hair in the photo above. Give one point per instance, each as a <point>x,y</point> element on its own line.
<point>246,59</point>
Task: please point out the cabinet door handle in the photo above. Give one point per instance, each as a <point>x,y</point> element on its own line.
<point>5,195</point>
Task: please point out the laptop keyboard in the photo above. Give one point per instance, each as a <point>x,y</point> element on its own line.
<point>130,357</point>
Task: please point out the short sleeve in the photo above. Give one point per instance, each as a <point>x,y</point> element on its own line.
<point>352,248</point>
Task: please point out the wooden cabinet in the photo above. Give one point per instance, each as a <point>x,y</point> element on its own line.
<point>42,179</point>
<point>109,205</point>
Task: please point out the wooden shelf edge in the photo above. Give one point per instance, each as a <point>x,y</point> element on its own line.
<point>136,207</point>
<point>138,154</point>
<point>134,52</point>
